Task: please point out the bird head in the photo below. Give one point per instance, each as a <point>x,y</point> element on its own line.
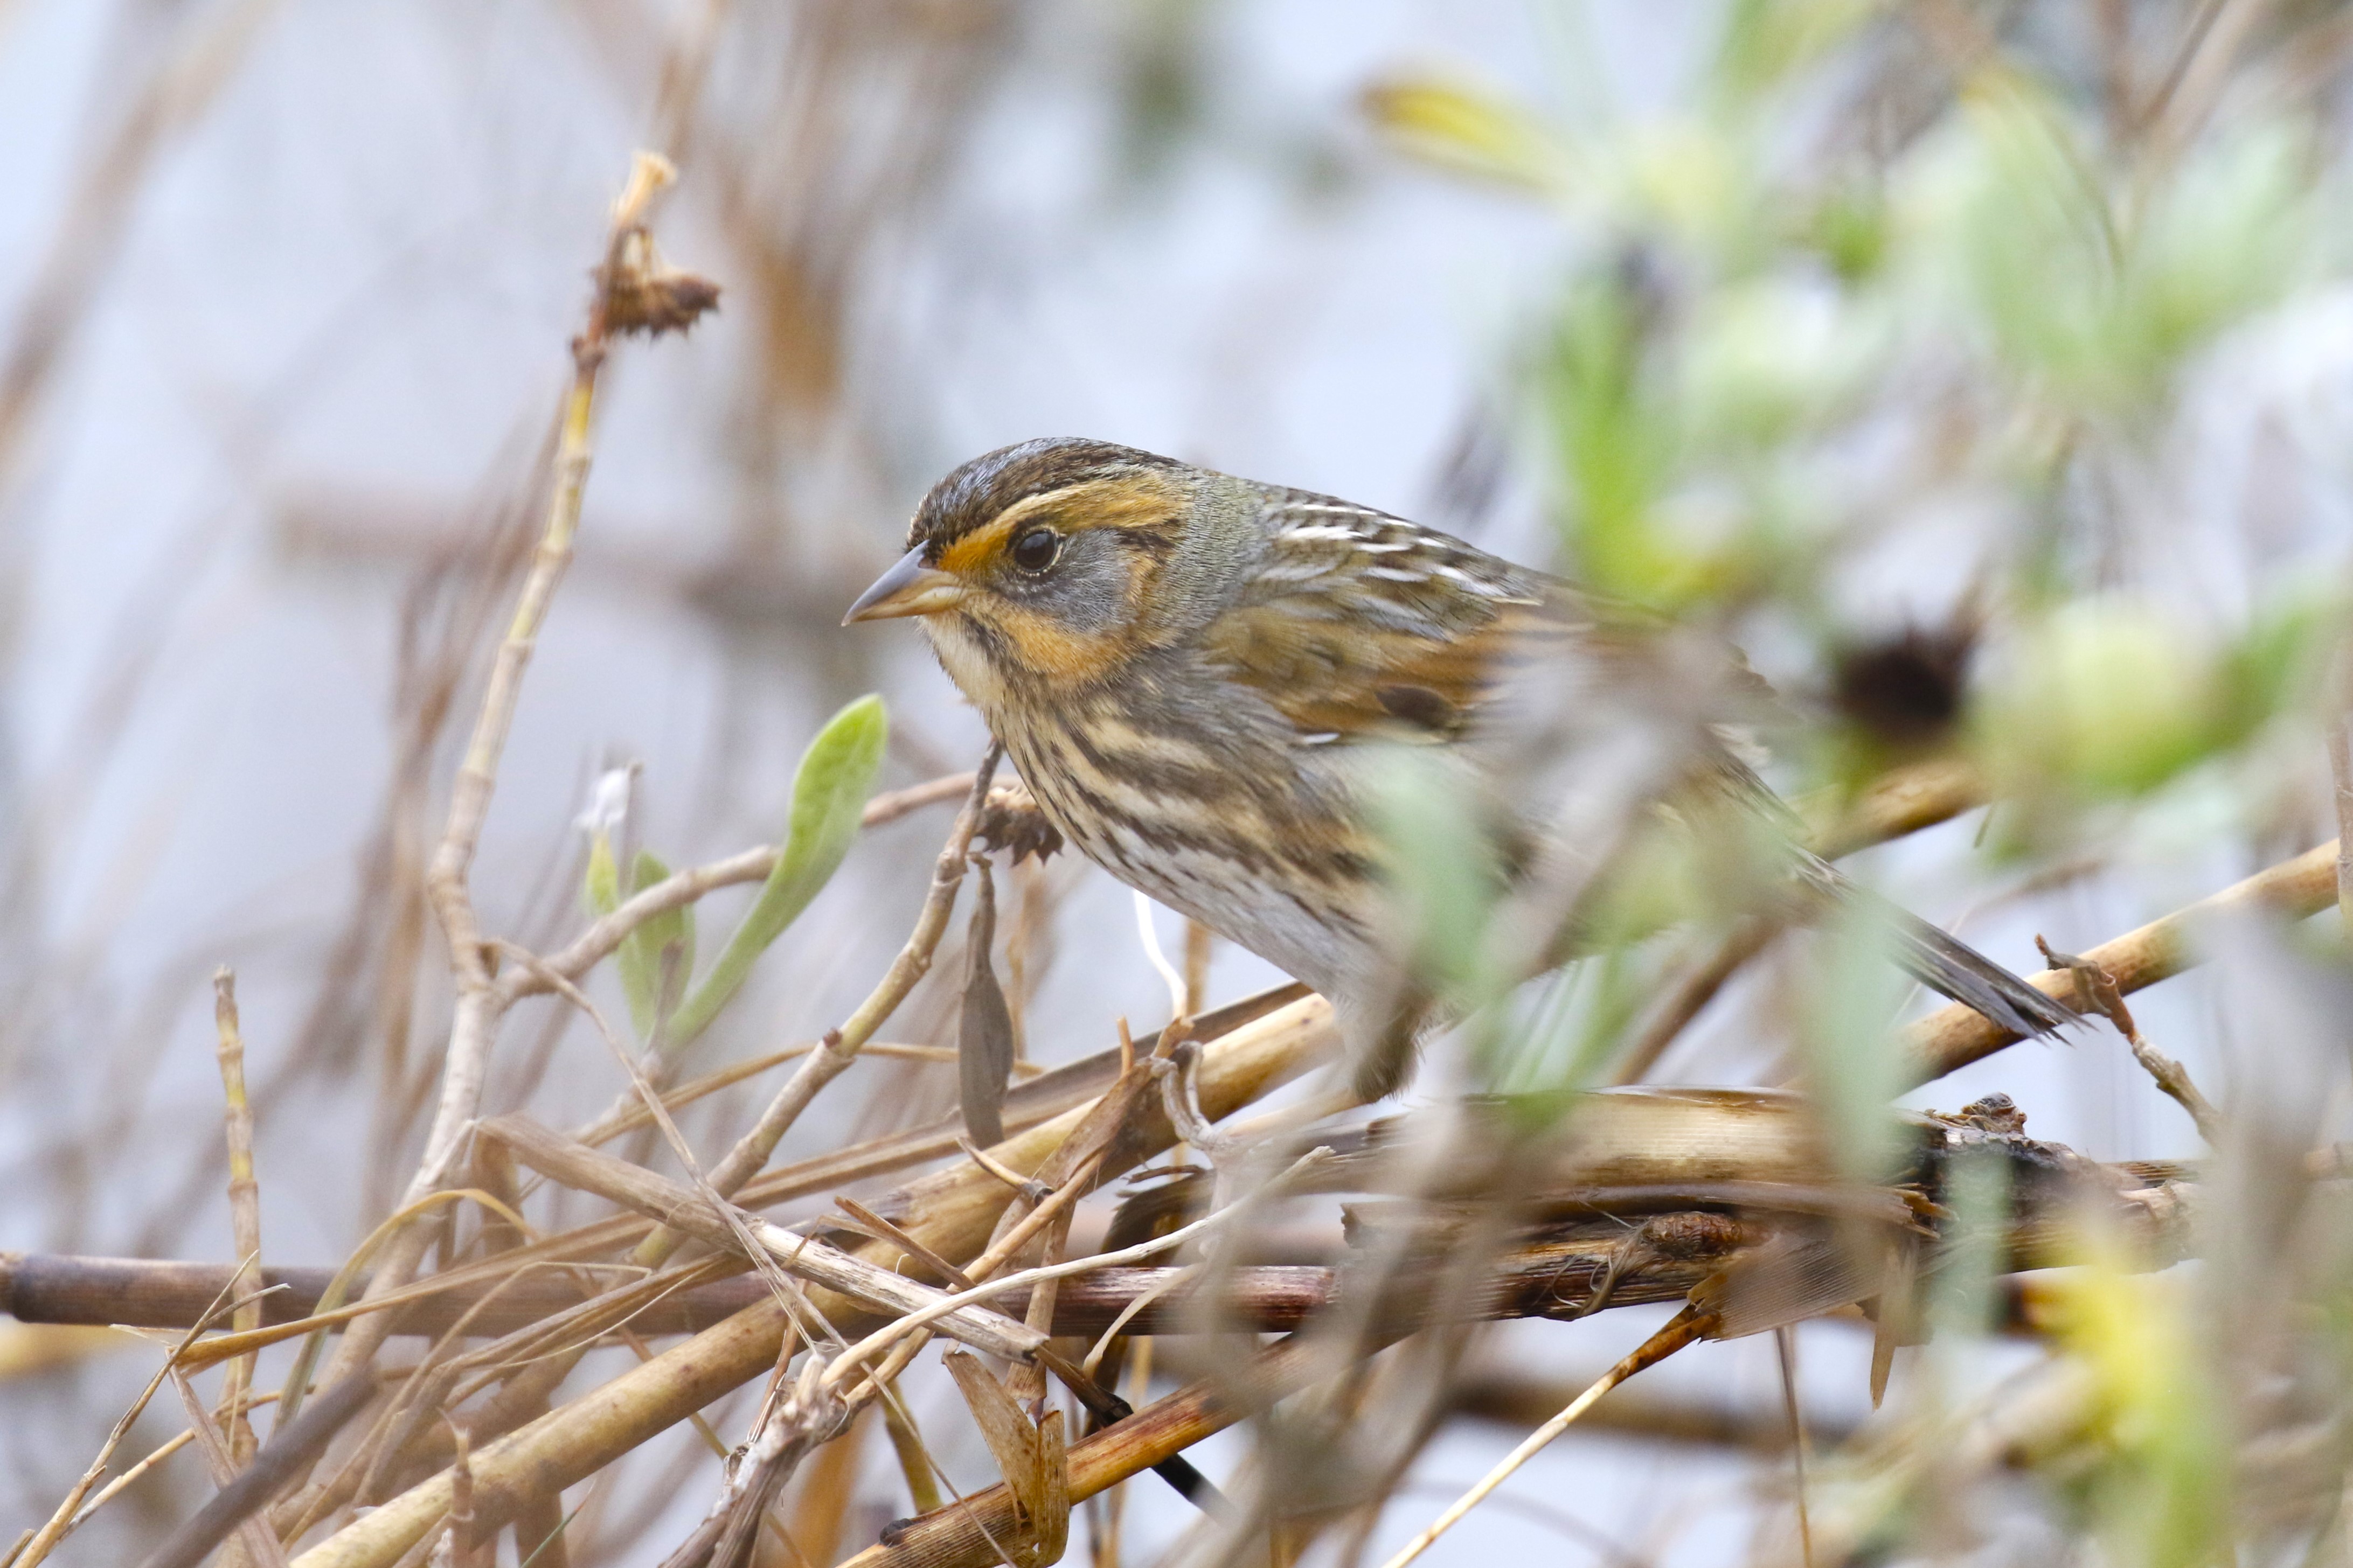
<point>1046,563</point>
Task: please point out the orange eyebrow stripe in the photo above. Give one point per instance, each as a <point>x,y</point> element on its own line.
<point>975,548</point>
<point>1099,504</point>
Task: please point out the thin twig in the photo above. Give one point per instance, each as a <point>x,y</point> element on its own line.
<point>67,1514</point>
<point>1686,1326</point>
<point>1952,1037</point>
<point>680,889</point>
<point>245,1210</point>
<point>481,1002</point>
<point>2095,983</point>
<point>841,1046</point>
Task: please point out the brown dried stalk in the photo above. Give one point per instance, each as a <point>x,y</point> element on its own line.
<point>953,1212</point>
<point>841,1046</point>
<point>481,1002</point>
<point>2097,983</point>
<point>51,1287</point>
<point>245,1211</point>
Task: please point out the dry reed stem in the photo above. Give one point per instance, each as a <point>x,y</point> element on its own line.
<point>959,1535</point>
<point>481,1002</point>
<point>245,1211</point>
<point>44,1540</point>
<point>1952,1037</point>
<point>63,1288</point>
<point>951,1211</point>
<point>841,1046</point>
<point>255,1545</point>
<point>684,1209</point>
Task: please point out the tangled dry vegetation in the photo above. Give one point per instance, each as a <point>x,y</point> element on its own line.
<point>440,1396</point>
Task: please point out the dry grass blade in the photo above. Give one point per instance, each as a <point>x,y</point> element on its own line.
<point>1686,1326</point>
<point>953,1212</point>
<point>1031,1458</point>
<point>44,1540</point>
<point>841,1046</point>
<point>255,1540</point>
<point>245,1209</point>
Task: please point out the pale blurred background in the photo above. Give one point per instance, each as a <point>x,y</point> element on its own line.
<point>285,291</point>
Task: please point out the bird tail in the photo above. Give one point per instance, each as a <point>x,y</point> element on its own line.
<point>1947,964</point>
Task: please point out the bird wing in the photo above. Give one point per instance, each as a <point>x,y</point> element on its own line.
<point>1356,625</point>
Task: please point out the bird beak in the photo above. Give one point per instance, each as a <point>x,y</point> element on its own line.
<point>910,588</point>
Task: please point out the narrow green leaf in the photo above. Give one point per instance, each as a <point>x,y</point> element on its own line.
<point>836,773</point>
<point>643,958</point>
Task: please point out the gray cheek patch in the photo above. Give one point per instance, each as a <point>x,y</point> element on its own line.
<point>1086,590</point>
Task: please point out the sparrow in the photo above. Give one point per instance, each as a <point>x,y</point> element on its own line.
<point>1197,674</point>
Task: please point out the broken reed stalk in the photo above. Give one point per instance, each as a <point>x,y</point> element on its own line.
<point>245,1211</point>
<point>481,1003</point>
<point>1951,1037</point>
<point>841,1046</point>
<point>951,1211</point>
<point>2170,1076</point>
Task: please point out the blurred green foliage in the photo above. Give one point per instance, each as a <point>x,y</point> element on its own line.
<point>1780,332</point>
<point>1941,284</point>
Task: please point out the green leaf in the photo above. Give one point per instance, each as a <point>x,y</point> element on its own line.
<point>641,957</point>
<point>603,889</point>
<point>836,773</point>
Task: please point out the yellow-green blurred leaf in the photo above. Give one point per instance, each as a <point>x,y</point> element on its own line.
<point>1468,131</point>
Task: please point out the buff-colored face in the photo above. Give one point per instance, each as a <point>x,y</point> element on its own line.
<point>1054,587</point>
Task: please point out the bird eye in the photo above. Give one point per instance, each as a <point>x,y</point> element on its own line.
<point>1035,550</point>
